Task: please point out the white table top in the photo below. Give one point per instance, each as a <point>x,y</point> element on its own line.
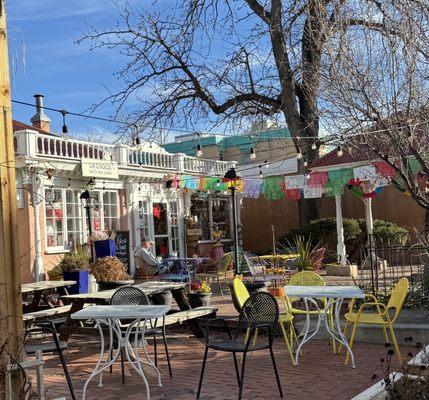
<point>318,292</point>
<point>44,285</point>
<point>121,312</point>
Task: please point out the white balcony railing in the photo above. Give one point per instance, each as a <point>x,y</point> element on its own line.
<point>72,149</point>
<point>35,145</point>
<point>157,160</point>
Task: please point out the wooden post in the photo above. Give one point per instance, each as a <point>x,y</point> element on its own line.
<point>11,325</point>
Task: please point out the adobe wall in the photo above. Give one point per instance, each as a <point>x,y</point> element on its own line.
<point>257,215</point>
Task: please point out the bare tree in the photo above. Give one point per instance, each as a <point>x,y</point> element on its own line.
<point>222,60</point>
<point>377,89</point>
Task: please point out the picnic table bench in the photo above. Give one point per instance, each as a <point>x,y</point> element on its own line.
<point>150,288</point>
<point>39,290</point>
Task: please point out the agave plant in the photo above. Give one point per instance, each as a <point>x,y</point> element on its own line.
<point>310,255</point>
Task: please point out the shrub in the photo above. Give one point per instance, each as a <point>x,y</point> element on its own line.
<point>74,261</point>
<point>109,269</point>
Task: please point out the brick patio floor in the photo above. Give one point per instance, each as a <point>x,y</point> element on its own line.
<point>320,375</point>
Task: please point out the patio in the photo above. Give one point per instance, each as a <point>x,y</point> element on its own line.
<point>320,374</point>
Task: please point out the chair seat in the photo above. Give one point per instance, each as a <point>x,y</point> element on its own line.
<point>285,318</point>
<point>304,312</point>
<point>366,318</point>
<point>47,347</point>
<point>237,346</point>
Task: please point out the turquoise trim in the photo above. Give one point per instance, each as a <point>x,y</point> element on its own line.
<point>242,141</point>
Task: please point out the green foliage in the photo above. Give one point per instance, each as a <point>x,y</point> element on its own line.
<point>324,231</point>
<point>75,261</point>
<point>307,253</point>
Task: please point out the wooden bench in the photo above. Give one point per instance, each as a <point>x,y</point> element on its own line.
<point>48,313</point>
<point>182,316</point>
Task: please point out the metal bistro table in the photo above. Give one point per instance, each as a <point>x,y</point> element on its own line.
<point>182,268</point>
<point>335,296</point>
<point>110,316</point>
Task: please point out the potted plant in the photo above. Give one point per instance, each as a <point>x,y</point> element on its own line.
<point>199,294</point>
<point>109,272</point>
<point>103,244</point>
<point>310,256</point>
<point>74,267</point>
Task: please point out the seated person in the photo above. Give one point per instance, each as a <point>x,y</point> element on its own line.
<point>152,266</point>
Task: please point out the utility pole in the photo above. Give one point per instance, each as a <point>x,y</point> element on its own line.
<point>11,326</point>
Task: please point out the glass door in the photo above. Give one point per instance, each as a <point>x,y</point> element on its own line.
<point>161,234</point>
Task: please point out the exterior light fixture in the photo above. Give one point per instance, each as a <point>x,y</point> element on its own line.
<point>199,150</point>
<point>63,113</point>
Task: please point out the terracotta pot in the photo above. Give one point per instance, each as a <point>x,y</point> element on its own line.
<point>276,291</point>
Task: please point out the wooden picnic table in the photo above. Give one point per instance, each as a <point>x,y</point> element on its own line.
<point>151,288</point>
<point>39,289</point>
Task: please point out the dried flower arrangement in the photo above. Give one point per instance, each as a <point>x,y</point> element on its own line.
<point>109,269</point>
<point>99,235</point>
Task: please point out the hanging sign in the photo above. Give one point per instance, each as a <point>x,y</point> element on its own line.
<point>99,168</point>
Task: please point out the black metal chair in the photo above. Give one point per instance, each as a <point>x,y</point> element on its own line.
<point>259,312</point>
<point>37,339</point>
<point>130,295</point>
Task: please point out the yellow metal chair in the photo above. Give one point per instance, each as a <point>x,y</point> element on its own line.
<point>309,278</point>
<point>240,291</point>
<point>217,272</point>
<point>384,315</point>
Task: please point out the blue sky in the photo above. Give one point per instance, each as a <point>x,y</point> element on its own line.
<point>44,59</point>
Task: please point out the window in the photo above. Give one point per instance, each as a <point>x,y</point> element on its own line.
<point>54,217</point>
<point>74,218</point>
<point>66,218</point>
<point>110,210</point>
<point>143,224</point>
<point>245,157</point>
<point>174,226</point>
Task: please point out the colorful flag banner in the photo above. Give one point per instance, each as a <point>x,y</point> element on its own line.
<point>252,188</point>
<point>273,187</point>
<point>334,188</point>
<point>365,173</point>
<point>293,194</point>
<point>342,175</point>
<point>295,182</point>
<point>317,179</point>
<point>384,169</point>
<point>312,192</point>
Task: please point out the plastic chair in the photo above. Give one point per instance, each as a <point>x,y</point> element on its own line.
<point>384,315</point>
<point>309,278</point>
<point>41,331</point>
<point>217,270</point>
<point>239,293</point>
<point>260,311</point>
<point>130,295</point>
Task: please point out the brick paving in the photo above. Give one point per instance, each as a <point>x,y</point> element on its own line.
<point>320,375</point>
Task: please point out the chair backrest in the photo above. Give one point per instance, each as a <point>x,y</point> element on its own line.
<point>259,308</point>
<point>240,291</point>
<point>306,278</point>
<point>397,297</point>
<point>225,262</point>
<point>144,270</point>
<point>130,296</point>
<point>255,265</point>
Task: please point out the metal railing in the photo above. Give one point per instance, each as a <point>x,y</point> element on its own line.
<point>383,262</point>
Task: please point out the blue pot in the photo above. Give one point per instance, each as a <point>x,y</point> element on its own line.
<point>105,248</point>
<point>82,281</point>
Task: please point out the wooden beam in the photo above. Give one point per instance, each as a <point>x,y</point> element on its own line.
<point>11,325</point>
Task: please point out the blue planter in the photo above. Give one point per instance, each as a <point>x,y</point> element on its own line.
<point>105,248</point>
<point>81,278</point>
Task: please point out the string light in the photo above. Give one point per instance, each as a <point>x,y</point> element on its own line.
<point>199,151</point>
<point>340,152</point>
<point>69,184</point>
<point>267,164</point>
<point>305,163</point>
<point>63,113</point>
<point>299,154</point>
<point>260,172</point>
<point>252,153</point>
<point>313,146</point>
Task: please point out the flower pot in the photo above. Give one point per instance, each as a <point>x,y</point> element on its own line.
<point>105,248</point>
<point>199,299</point>
<point>108,285</point>
<point>81,278</point>
<point>276,291</point>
